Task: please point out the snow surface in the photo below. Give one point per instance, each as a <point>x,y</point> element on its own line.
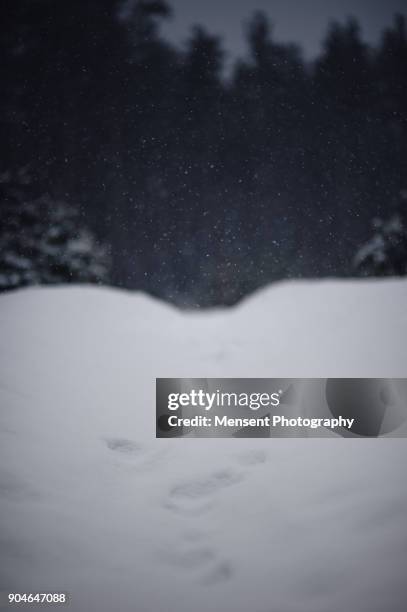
<point>91,503</point>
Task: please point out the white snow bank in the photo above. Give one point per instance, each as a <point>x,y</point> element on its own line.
<point>91,503</point>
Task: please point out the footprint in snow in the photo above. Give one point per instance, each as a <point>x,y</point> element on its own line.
<point>252,458</point>
<point>192,498</point>
<point>122,445</point>
<point>199,558</point>
<point>195,497</point>
<point>221,572</point>
<point>132,452</point>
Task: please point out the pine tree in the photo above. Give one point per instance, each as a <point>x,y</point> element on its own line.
<point>42,240</point>
<point>385,253</point>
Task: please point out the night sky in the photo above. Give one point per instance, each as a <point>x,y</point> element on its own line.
<point>300,21</point>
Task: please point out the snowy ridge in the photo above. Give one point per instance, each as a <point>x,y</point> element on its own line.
<point>91,503</point>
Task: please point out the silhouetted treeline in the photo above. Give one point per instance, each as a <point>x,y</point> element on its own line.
<point>205,187</point>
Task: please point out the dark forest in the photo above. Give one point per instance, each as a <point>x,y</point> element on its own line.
<point>129,161</point>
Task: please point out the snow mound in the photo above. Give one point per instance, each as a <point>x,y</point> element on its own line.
<point>92,504</point>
